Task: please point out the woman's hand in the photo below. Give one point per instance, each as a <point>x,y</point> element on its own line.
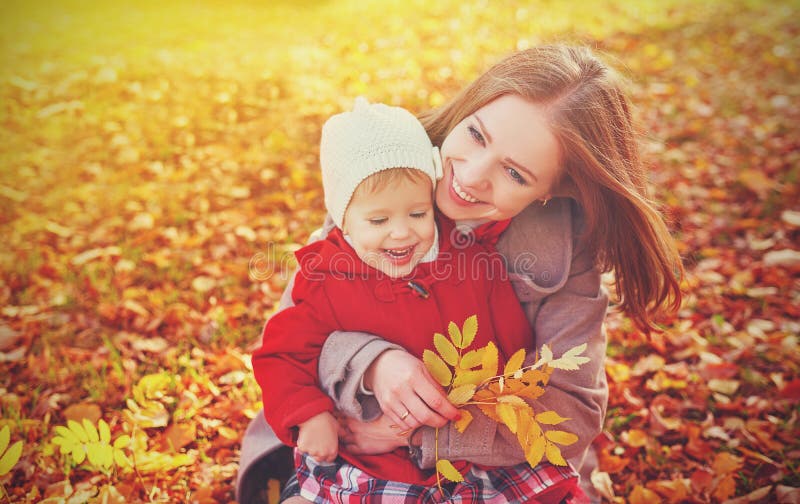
<point>372,438</point>
<point>406,391</point>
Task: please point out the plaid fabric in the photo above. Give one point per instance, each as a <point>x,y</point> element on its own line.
<point>343,483</point>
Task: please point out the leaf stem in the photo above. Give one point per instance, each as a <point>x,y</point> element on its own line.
<point>436,455</point>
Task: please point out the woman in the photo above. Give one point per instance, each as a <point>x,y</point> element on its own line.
<point>544,138</point>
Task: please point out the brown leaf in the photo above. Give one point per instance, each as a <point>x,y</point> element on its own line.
<point>78,412</point>
<point>178,436</point>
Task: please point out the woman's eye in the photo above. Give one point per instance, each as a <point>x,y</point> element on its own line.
<point>378,221</point>
<point>514,174</point>
<point>476,135</point>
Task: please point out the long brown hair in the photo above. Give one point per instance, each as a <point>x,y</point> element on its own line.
<point>590,115</point>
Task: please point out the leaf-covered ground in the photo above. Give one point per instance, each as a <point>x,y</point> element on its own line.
<point>158,167</point>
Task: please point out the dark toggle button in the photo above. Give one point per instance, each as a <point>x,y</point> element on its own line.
<point>420,290</point>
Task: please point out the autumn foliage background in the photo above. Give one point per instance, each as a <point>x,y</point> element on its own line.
<point>158,166</point>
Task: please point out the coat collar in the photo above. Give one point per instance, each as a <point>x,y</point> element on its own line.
<point>538,247</point>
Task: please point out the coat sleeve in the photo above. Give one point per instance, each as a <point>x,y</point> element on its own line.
<point>563,314</point>
<point>286,364</point>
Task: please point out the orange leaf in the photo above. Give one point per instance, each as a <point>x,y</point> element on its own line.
<point>725,463</point>
<point>725,488</point>
<point>642,495</point>
<point>701,480</point>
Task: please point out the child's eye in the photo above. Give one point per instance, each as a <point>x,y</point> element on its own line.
<point>377,221</point>
<point>419,215</point>
<point>514,174</point>
<point>476,135</point>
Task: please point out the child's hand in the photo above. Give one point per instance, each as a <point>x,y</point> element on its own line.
<point>319,437</point>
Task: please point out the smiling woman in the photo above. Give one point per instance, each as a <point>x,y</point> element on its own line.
<point>498,160</point>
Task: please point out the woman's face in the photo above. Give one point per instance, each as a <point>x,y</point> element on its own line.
<point>497,161</point>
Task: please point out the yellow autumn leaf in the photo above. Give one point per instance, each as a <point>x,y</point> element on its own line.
<point>462,394</point>
<point>469,330</point>
<point>91,431</point>
<point>490,360</point>
<point>67,434</point>
<point>5,438</point>
<point>445,348</point>
<point>472,358</point>
<point>561,437</point>
<point>437,367</point>
<point>104,430</point>
<point>513,400</point>
<point>9,455</point>
<point>515,362</point>
<point>550,418</point>
<point>152,461</point>
<point>535,452</point>
<point>524,430</point>
<point>466,377</point>
<point>446,469</point>
<point>553,454</point>
<point>462,423</point>
<point>455,335</point>
<point>100,455</point>
<point>508,415</point>
<point>76,429</point>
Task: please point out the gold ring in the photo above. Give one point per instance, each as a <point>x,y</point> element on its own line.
<point>405,415</point>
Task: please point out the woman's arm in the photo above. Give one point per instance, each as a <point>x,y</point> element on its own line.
<point>564,320</point>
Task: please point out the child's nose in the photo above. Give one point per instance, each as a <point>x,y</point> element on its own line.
<point>400,230</point>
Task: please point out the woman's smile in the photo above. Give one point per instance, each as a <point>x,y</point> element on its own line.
<point>463,194</point>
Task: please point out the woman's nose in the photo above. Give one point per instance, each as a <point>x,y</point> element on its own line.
<point>474,172</point>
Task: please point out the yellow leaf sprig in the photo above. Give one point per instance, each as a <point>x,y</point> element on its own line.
<point>83,442</point>
<point>471,378</point>
<point>9,455</point>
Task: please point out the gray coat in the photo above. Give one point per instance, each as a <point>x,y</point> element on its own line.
<point>561,293</point>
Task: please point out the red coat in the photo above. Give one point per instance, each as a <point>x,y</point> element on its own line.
<point>334,290</point>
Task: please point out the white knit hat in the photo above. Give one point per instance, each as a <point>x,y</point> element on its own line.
<point>371,138</point>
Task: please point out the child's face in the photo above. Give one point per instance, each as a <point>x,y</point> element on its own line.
<point>392,228</point>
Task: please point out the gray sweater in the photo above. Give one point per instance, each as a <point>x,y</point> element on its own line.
<point>561,293</point>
